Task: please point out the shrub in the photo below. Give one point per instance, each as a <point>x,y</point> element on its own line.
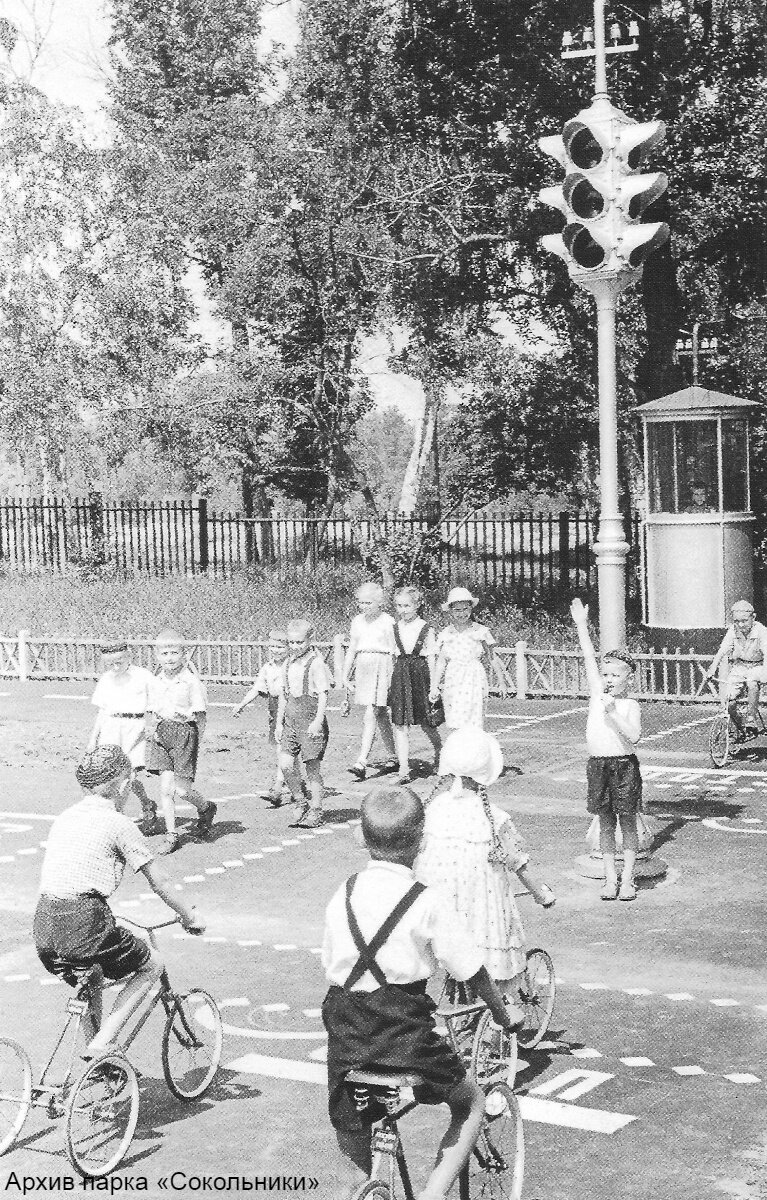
<point>412,556</point>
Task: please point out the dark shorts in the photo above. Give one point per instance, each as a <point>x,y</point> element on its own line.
<point>274,704</point>
<point>297,743</point>
<point>390,1029</point>
<point>173,748</point>
<point>614,785</point>
<point>74,935</point>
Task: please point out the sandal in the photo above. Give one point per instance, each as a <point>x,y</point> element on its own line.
<point>628,892</point>
<point>609,891</point>
<point>358,770</point>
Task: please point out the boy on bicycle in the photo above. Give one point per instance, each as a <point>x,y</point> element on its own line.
<point>88,847</point>
<point>384,935</point>
<point>745,645</point>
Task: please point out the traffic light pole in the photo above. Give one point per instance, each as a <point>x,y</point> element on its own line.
<point>611,547</point>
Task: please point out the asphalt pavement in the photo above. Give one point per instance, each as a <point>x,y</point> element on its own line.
<point>652,1078</point>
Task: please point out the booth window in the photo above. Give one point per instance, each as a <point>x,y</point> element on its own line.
<point>735,465</point>
<point>661,455</point>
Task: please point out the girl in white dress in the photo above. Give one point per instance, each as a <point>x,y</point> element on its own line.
<point>463,663</point>
<point>472,851</point>
<point>368,670</point>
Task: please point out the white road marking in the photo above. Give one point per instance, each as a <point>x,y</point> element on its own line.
<point>745,1077</point>
<point>235,1002</point>
<point>572,1084</point>
<point>679,996</point>
<point>688,1070</point>
<point>715,823</point>
<point>638,1062</point>
<point>275,1008</point>
<point>586,1052</point>
<point>533,1108</point>
<point>725,1003</point>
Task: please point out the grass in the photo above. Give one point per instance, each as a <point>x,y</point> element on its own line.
<point>241,608</point>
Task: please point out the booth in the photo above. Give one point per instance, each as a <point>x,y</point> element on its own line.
<point>698,521</point>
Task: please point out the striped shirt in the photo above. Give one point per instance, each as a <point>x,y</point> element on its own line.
<point>89,846</point>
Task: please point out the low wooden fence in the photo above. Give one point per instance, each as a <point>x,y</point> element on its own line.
<point>520,670</point>
<point>528,554</point>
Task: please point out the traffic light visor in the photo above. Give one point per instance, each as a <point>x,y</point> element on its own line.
<point>587,143</point>
<point>634,142</point>
<point>584,248</point>
<point>639,241</point>
<point>637,192</point>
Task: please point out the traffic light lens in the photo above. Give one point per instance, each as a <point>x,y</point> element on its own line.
<point>586,202</point>
<point>586,252</point>
<point>584,149</point>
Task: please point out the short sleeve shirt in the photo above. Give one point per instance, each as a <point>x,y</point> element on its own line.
<point>89,847</point>
<point>118,693</point>
<point>269,679</point>
<point>376,636</point>
<point>177,697</point>
<point>603,738</point>
<point>751,648</point>
<point>430,932</point>
<point>317,682</point>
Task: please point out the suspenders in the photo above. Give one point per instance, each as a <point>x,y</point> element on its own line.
<point>368,950</point>
<point>304,679</point>
<point>419,641</point>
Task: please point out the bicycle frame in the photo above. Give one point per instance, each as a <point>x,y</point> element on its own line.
<point>385,1142</point>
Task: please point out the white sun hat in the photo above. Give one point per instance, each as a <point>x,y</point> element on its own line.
<point>473,753</point>
<point>460,595</point>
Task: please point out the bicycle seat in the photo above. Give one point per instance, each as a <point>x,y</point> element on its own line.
<point>385,1079</point>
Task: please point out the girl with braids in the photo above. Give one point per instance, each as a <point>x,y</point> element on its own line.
<point>471,851</point>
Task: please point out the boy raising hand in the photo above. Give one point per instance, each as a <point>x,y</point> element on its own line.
<point>613,729</point>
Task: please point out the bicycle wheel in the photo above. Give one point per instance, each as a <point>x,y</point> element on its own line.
<point>720,739</point>
<point>373,1189</point>
<point>496,1168</point>
<point>536,995</point>
<point>15,1091</point>
<point>191,1044</point>
<point>493,1054</point>
<point>101,1116</point>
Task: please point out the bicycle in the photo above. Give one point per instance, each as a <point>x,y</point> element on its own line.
<point>496,1165</point>
<point>100,1107</point>
<point>724,737</point>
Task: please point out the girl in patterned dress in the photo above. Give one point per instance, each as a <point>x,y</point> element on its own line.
<point>472,851</point>
<point>368,670</point>
<point>413,668</point>
<point>463,662</point>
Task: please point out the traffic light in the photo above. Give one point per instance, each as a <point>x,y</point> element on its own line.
<point>602,196</point>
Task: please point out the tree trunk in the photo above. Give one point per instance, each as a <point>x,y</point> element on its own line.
<point>423,440</point>
<point>657,373</point>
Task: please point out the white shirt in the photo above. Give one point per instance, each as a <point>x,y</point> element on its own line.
<point>269,679</point>
<point>123,691</point>
<point>177,697</point>
<point>89,846</point>
<point>603,737</point>
<point>376,636</point>
<point>430,932</point>
<point>408,634</point>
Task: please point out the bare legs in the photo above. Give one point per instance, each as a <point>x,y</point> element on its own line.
<point>126,1002</point>
<point>376,720</point>
<point>607,824</point>
<point>402,743</point>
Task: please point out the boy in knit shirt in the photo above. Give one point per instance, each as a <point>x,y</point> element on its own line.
<point>269,683</point>
<point>613,729</point>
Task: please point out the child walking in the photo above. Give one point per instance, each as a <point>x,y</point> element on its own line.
<point>410,682</point>
<point>614,781</point>
<point>384,935</point>
<point>369,662</point>
<point>463,662</point>
<point>302,728</point>
<point>178,713</point>
<point>122,699</point>
<point>471,850</point>
<point>268,683</point>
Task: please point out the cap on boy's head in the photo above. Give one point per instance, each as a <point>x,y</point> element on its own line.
<point>101,766</point>
<point>169,635</point>
<point>299,629</point>
<point>473,754</point>
<point>620,656</point>
<point>278,635</point>
<point>742,608</point>
<point>117,647</point>
<point>391,820</point>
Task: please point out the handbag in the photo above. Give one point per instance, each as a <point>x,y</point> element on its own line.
<point>436,714</point>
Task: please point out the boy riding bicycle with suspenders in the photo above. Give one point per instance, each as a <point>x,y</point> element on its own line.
<point>384,935</point>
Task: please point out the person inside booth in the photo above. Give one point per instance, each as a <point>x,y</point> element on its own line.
<point>699,501</point>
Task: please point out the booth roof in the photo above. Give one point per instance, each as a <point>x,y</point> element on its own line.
<point>692,399</point>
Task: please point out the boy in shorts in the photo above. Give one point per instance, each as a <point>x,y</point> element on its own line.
<point>178,712</point>
<point>302,729</point>
<point>89,845</point>
<point>745,645</point>
<point>122,698</point>
<point>268,683</point>
<point>377,1011</point>
<point>613,729</point>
